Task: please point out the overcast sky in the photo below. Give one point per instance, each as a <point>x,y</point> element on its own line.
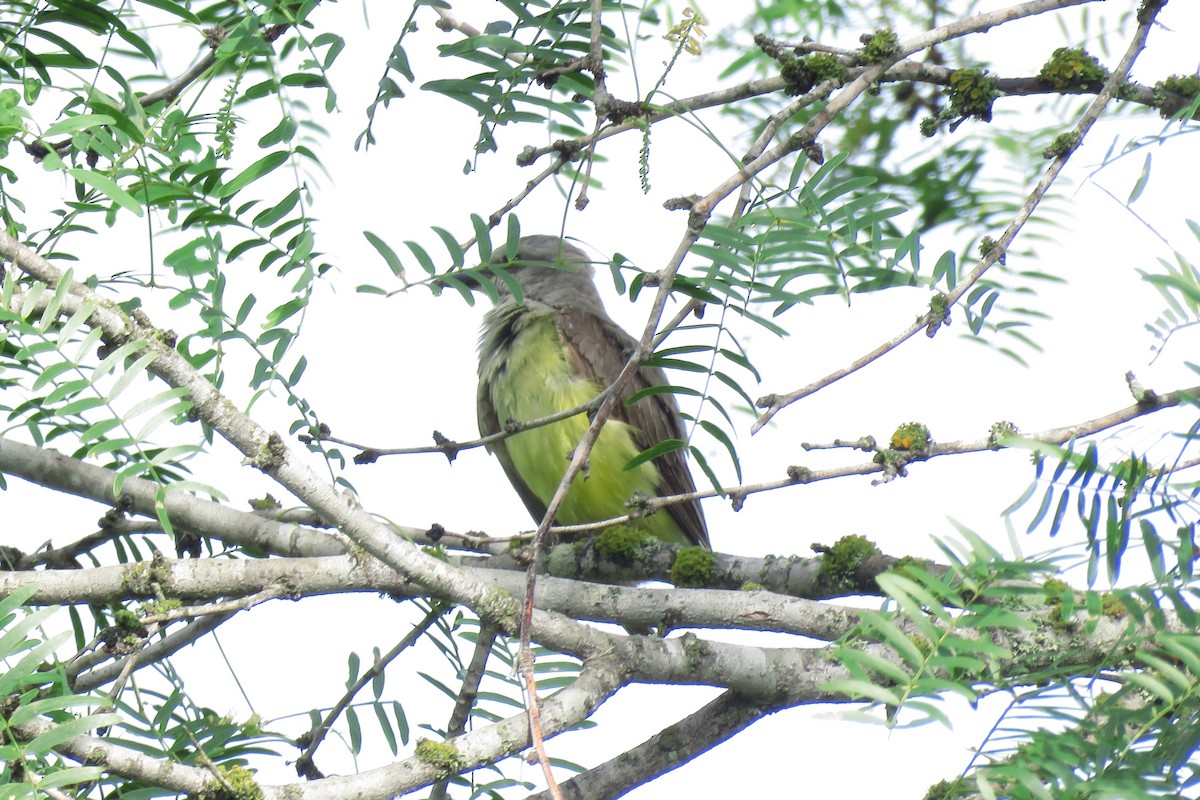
<point>390,371</point>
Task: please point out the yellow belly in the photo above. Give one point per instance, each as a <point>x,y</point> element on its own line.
<point>538,381</point>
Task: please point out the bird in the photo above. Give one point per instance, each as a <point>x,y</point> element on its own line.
<point>554,349</point>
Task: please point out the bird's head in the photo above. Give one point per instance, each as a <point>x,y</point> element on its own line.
<point>546,269</point>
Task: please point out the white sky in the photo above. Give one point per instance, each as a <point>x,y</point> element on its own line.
<point>391,371</point>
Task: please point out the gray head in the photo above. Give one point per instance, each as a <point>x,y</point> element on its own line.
<point>551,272</point>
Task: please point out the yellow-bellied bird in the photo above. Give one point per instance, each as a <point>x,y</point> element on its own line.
<point>553,350</point>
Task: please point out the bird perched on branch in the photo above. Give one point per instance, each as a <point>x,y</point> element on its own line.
<point>555,349</point>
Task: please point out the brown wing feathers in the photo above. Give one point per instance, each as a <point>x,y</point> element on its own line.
<point>599,348</point>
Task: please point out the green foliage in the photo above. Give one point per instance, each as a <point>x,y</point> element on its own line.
<point>620,544</point>
<point>937,639</point>
<point>1116,738</point>
<point>840,563</point>
<point>693,566</point>
<point>881,46</point>
<point>911,436</point>
<point>442,755</point>
<point>971,92</point>
<point>525,77</point>
<point>1073,69</point>
<point>75,394</point>
<point>35,688</point>
<point>1114,504</point>
<point>222,171</point>
<point>178,173</point>
<point>1178,283</point>
<point>834,237</point>
<point>1176,92</point>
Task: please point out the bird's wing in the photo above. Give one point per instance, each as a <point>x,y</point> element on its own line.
<point>598,349</point>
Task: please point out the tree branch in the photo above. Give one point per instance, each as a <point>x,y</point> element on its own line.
<point>934,319</point>
<point>671,747</point>
<point>485,637</point>
<point>311,740</point>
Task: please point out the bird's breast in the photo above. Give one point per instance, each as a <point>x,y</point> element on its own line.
<point>530,374</point>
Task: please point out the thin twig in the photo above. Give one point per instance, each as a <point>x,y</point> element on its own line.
<point>467,695</point>
<point>451,448</point>
<point>304,764</point>
<point>224,608</point>
<point>84,678</point>
<point>931,320</point>
<point>803,475</point>
<point>172,90</point>
<point>448,22</point>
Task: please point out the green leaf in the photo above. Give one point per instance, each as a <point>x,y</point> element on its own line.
<point>108,187</point>
<point>355,730</point>
<point>135,370</point>
<point>281,133</point>
<point>401,721</point>
<point>86,308</point>
<point>68,777</point>
<point>8,605</point>
<point>284,312</point>
<point>1152,685</point>
<point>724,439</point>
<point>462,288</point>
<point>1143,178</point>
<point>44,743</point>
<point>897,639</point>
<point>117,358</point>
<point>422,257</point>
<point>862,661</point>
<point>259,168</point>
<point>386,727</point>
<point>1042,509</point>
<point>97,431</point>
<point>863,689</point>
<point>1168,672</point>
<point>76,123</point>
<point>451,244</point>
<point>483,237</point>
<point>277,212</point>
<point>650,453</point>
<point>388,254</point>
<point>36,708</point>
<point>51,373</point>
<point>27,669</point>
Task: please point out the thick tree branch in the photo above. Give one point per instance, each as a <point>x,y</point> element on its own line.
<point>204,579</point>
<point>269,453</point>
<point>560,712</point>
<point>596,683</point>
<point>124,761</point>
<point>671,747</point>
<point>65,474</point>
